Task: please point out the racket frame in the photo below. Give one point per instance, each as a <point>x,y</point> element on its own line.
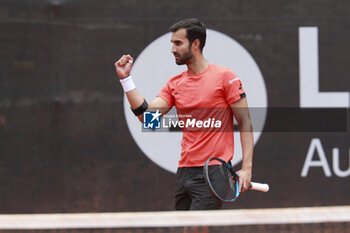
<point>233,174</point>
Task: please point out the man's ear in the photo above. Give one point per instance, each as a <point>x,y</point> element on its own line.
<point>196,44</point>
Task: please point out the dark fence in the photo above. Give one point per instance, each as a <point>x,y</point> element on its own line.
<point>64,142</point>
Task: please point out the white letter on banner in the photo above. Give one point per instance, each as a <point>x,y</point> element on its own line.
<point>336,166</point>
<point>310,96</point>
<point>316,146</point>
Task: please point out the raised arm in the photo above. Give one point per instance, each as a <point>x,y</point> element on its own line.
<point>241,112</point>
<point>137,102</point>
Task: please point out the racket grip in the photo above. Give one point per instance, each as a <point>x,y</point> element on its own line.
<point>259,187</point>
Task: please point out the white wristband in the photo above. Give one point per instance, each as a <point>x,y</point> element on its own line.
<point>127,84</point>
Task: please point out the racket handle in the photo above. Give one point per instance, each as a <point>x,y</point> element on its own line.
<point>259,187</point>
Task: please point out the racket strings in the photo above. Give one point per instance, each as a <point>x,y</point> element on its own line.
<point>222,182</point>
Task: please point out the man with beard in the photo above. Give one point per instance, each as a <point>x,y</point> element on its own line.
<point>202,86</point>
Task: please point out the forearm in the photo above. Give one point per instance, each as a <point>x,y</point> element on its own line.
<point>136,102</point>
<point>135,99</point>
<point>247,142</point>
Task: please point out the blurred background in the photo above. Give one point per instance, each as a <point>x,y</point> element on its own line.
<point>65,146</point>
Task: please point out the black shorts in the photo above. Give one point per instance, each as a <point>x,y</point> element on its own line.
<point>191,191</point>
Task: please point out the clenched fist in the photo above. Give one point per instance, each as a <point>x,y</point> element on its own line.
<point>123,66</point>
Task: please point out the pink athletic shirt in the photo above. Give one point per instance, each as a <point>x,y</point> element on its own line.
<point>204,96</point>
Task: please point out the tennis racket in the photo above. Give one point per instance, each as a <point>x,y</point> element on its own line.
<point>223,180</point>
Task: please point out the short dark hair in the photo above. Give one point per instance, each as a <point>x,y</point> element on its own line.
<point>195,30</point>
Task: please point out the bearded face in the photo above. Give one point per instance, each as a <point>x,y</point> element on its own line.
<point>181,47</point>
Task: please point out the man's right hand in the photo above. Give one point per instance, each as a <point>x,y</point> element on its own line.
<point>123,66</point>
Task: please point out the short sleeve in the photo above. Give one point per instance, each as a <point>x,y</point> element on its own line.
<point>233,87</point>
<point>166,94</point>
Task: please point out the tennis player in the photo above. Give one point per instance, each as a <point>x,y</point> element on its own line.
<point>202,85</point>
